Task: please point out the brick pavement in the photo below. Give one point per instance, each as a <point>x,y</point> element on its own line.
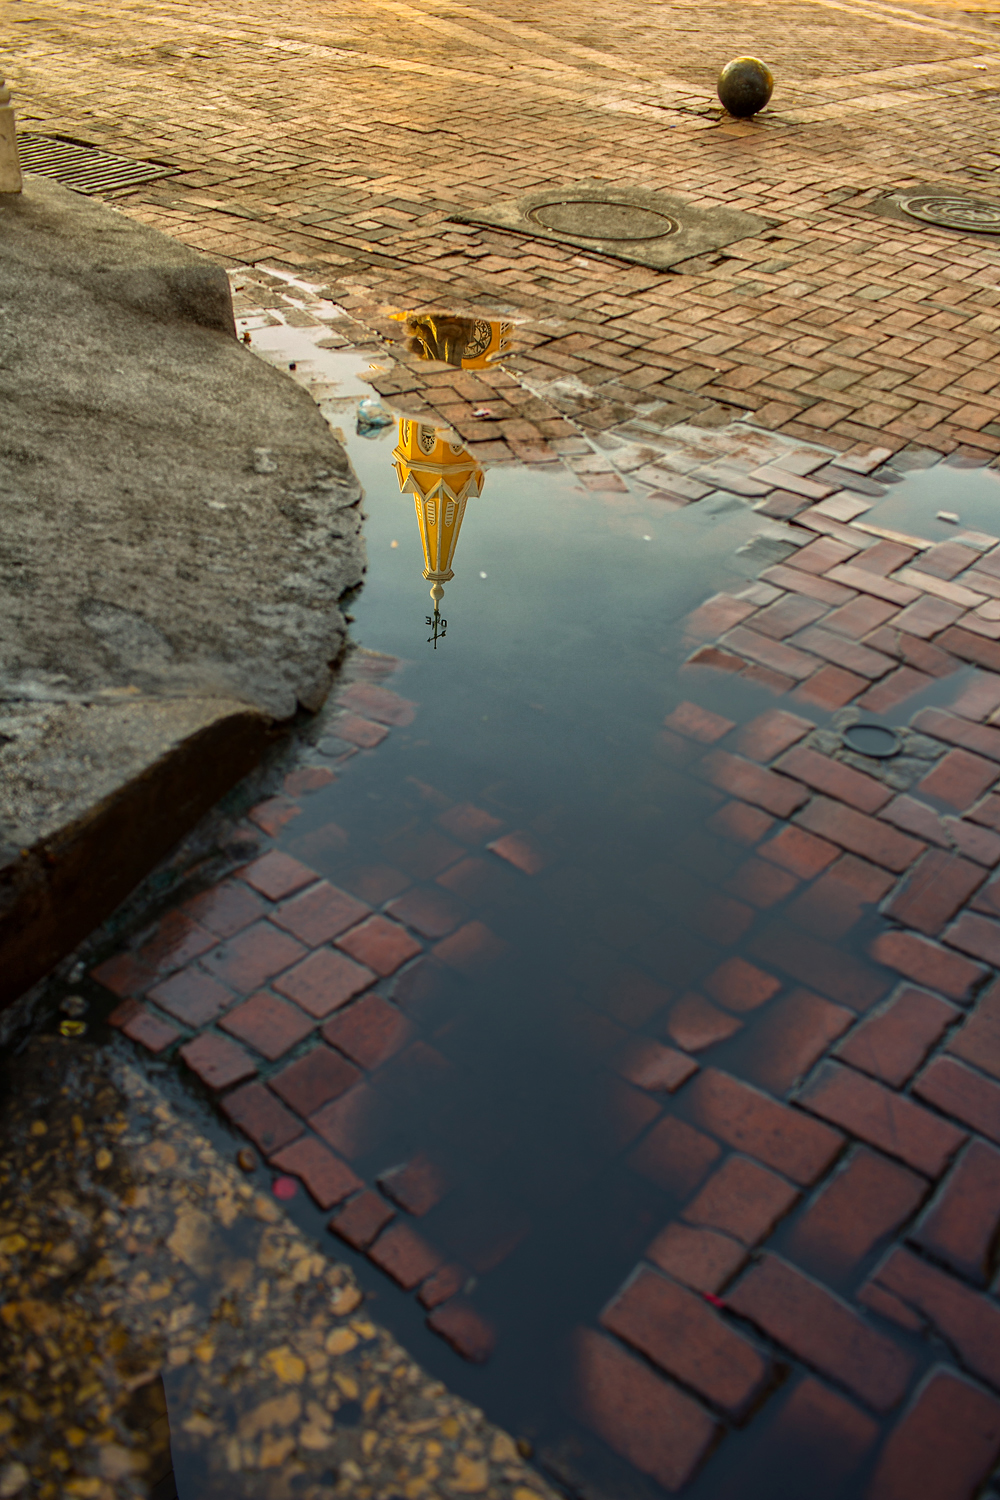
<point>344,143</point>
<point>826,1281</point>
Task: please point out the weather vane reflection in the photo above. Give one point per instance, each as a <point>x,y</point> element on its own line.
<point>441,475</point>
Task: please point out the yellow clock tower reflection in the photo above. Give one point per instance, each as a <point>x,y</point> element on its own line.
<point>441,475</point>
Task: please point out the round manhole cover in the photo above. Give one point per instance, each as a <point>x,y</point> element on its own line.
<point>872,739</point>
<point>597,219</point>
<point>952,211</point>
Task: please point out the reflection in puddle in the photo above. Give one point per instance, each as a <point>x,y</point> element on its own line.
<point>466,343</point>
<point>440,474</point>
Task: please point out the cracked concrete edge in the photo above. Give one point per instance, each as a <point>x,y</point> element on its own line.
<point>196,1298</point>
<point>166,764</point>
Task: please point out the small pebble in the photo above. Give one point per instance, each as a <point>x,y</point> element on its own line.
<point>246,1159</point>
<point>948,515</point>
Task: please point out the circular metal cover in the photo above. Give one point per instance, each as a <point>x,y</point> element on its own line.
<point>952,211</point>
<point>872,739</point>
<point>603,219</point>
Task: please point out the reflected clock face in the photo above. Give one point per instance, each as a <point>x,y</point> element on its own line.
<point>479,340</point>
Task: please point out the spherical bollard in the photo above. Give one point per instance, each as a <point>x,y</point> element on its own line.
<point>745,86</point>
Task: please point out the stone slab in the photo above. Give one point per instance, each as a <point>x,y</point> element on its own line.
<point>633,224</point>
<point>177,527</point>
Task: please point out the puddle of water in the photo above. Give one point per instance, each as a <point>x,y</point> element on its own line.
<point>912,504</point>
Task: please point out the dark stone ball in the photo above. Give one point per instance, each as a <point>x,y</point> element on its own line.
<point>745,86</point>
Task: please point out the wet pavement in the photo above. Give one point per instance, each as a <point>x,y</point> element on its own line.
<point>629,1035</point>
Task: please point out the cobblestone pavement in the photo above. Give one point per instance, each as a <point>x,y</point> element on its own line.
<point>345,141</point>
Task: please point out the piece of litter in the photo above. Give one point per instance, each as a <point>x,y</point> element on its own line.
<point>482,575</point>
<point>948,515</point>
<point>393,544</point>
<point>483,412</point>
<point>711,1297</point>
<point>647,538</point>
<point>284,1187</point>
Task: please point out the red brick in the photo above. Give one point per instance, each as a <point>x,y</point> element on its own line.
<point>469,823</point>
<point>892,1042</point>
<point>979,698</point>
<point>934,890</point>
<point>313,1079</point>
<point>717,614</point>
<point>140,1025</point>
<point>809,584</point>
<point>884,558</point>
<point>868,582</point>
<point>267,1024</point>
<point>422,852</point>
<point>471,949</point>
<point>698,723</point>
<point>960,1225</point>
<point>959,779</point>
<point>799,852</point>
<point>789,1037</point>
<point>821,555</point>
<point>889,1306</point>
<point>687,1339</point>
<point>988,898</point>
<point>428,910</point>
<point>377,703</point>
<point>741,986</point>
<point>947,559</point>
<point>860,1206</point>
<point>217,1061</point>
<point>404,1255</point>
<point>761,883</point>
<point>355,1124</point>
<point>381,944</point>
<point>928,963</point>
<point>987,813</point>
<point>834,972</point>
<point>320,914</point>
<point>919,655</point>
<point>324,981</point>
<point>838,780</point>
<point>466,1330</point>
<point>276,875</point>
<point>192,997</point>
<point>650,1066</point>
<point>978,1041</point>
<point>327,1178</point>
<point>698,1258</point>
<point>823,1332</point>
<point>859,833</point>
<point>446,1282</point>
<point>859,616</point>
<point>361,1219</point>
<point>883,1118</point>
<point>772,1133</point>
<point>740,822</point>
<point>775,655</point>
<point>964,1318</point>
<point>771,733</point>
<point>358,731</point>
<point>834,903</point>
<point>818,1433</point>
<point>307,779</point>
<point>928,616</point>
<point>253,957</point>
<point>654,1426</point>
<point>831,687</point>
<point>274,814</point>
<point>894,689</point>
<point>417,1185</point>
<point>123,975</point>
<point>944,1445</point>
<point>522,850</point>
<point>849,655</point>
<point>674,1156</point>
<point>369,1032</point>
<point>956,1090</point>
<point>916,818</point>
<point>977,936</point>
<point>785,616</point>
<point>177,940</point>
<point>979,738</point>
<point>225,909</point>
<point>695,1023</point>
<point>742,1199</point>
<point>718,661</point>
<point>741,778</point>
<point>260,1116</point>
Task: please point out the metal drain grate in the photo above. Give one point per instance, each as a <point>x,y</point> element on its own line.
<point>84,168</point>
